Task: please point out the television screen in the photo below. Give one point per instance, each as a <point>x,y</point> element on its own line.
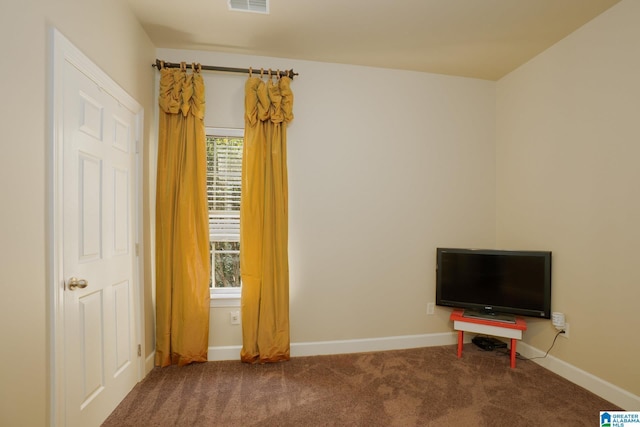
<point>494,282</point>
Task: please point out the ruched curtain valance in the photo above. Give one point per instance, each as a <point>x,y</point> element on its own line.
<point>264,263</point>
<point>182,235</point>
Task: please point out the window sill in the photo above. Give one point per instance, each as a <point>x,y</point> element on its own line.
<point>225,300</point>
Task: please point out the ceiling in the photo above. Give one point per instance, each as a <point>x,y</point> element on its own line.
<point>483,39</point>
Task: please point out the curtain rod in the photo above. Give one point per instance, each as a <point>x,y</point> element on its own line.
<point>289,73</point>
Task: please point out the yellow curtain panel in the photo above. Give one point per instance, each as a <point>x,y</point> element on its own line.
<point>264,263</point>
<point>182,227</point>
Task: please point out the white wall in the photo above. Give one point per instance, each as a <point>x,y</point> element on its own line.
<point>384,166</point>
<point>110,35</point>
<point>568,156</point>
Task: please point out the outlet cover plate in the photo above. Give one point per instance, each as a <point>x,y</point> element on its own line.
<point>566,331</point>
<point>234,317</point>
<point>430,308</point>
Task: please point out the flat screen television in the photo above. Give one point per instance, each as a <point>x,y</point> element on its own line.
<point>494,284</point>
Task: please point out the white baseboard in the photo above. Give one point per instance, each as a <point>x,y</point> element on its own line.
<point>228,352</point>
<point>372,344</point>
<point>347,346</point>
<point>598,386</point>
<point>149,362</point>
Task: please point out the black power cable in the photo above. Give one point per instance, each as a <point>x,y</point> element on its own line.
<point>552,344</point>
<point>507,352</point>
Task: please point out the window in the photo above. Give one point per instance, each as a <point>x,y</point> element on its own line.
<point>224,173</point>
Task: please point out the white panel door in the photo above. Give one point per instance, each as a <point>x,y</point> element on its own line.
<point>98,216</point>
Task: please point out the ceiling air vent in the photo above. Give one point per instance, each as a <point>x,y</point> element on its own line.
<point>255,6</point>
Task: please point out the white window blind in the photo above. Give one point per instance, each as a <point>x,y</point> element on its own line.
<point>224,172</point>
<point>224,175</point>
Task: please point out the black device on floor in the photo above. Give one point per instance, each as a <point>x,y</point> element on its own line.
<point>488,343</point>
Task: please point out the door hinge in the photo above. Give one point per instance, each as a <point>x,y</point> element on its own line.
<point>139,350</point>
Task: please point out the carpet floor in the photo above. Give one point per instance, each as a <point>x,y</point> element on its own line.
<point>415,387</point>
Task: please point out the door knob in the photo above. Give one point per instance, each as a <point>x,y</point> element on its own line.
<point>77,283</point>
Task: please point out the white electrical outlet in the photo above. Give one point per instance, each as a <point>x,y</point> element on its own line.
<point>566,331</point>
<point>430,308</point>
<point>234,317</point>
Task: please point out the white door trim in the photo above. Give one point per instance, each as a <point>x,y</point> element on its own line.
<point>65,52</point>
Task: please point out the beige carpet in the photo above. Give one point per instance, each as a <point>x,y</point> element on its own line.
<point>417,387</point>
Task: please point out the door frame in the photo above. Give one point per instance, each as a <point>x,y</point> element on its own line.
<point>63,51</point>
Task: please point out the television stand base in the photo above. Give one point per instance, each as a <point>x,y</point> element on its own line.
<point>490,315</point>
